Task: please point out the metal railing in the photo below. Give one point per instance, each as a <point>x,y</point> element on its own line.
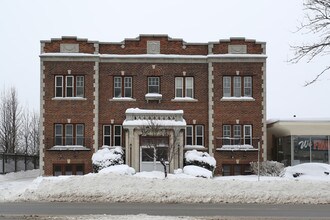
<point>243,143</point>
<point>68,141</point>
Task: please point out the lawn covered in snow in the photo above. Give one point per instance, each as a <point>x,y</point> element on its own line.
<point>115,185</point>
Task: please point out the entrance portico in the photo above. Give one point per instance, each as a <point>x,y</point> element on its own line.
<point>151,135</point>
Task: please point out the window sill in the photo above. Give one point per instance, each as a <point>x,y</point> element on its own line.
<point>122,99</point>
<point>69,98</point>
<point>153,97</point>
<point>184,99</point>
<point>69,148</point>
<point>237,99</point>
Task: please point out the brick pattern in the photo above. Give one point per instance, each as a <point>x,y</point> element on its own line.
<point>81,111</point>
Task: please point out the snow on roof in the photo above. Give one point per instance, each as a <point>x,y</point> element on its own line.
<point>194,147</point>
<point>243,147</point>
<point>152,111</point>
<point>299,120</point>
<point>69,147</point>
<point>165,123</point>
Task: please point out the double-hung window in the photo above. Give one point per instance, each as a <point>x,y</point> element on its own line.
<point>237,86</point>
<point>226,86</point>
<point>237,134</point>
<point>189,135</point>
<point>153,85</point>
<point>69,86</point>
<point>122,87</point>
<point>116,133</point>
<point>226,134</point>
<point>199,135</point>
<point>184,87</point>
<point>248,134</point>
<point>73,134</point>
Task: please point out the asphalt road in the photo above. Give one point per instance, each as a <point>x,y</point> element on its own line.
<point>243,210</point>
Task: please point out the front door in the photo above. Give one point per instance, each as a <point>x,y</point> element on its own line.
<point>152,150</point>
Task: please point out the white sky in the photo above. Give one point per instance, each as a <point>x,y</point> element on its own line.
<point>24,23</point>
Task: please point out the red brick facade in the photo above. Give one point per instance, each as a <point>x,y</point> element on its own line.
<point>99,63</point>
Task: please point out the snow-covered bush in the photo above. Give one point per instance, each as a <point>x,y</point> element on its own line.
<point>107,157</point>
<point>119,169</point>
<point>197,171</point>
<point>268,168</point>
<point>201,159</point>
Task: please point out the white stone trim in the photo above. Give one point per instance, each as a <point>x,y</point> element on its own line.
<point>122,99</point>
<point>211,105</point>
<point>237,99</point>
<point>96,107</point>
<point>69,98</point>
<point>264,119</point>
<point>42,119</point>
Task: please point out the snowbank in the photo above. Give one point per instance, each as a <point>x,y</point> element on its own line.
<point>197,171</point>
<point>177,188</point>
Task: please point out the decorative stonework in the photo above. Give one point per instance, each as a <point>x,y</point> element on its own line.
<point>69,48</point>
<point>237,49</point>
<point>153,47</point>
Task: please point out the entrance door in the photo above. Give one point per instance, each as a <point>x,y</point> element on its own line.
<point>152,150</point>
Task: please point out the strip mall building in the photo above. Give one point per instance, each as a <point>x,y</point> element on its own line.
<point>209,96</point>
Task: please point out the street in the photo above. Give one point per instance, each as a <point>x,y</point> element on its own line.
<point>283,211</point>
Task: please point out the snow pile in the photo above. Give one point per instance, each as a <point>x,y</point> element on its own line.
<point>107,157</point>
<point>268,168</point>
<point>197,171</point>
<point>201,159</point>
<point>318,171</point>
<point>119,169</point>
<point>310,187</point>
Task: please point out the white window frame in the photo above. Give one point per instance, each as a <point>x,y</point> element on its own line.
<point>191,128</point>
<point>199,135</point>
<point>247,86</point>
<point>128,85</point>
<point>178,87</point>
<point>80,136</point>
<point>237,86</point>
<point>226,86</point>
<point>80,84</point>
<point>237,134</point>
<point>226,134</point>
<point>117,135</point>
<point>58,134</point>
<point>245,135</point>
<point>69,135</point>
<point>57,86</point>
<point>154,81</point>
<point>117,85</point>
<point>107,135</point>
<point>69,87</point>
<point>189,87</point>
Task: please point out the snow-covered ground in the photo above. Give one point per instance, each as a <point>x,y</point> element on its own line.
<point>312,186</point>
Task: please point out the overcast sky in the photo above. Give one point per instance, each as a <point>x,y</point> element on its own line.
<point>24,23</point>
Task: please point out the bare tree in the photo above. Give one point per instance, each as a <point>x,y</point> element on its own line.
<point>34,133</point>
<point>170,149</point>
<point>10,113</point>
<point>317,22</point>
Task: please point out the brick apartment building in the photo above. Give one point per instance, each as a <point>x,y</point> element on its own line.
<point>209,96</point>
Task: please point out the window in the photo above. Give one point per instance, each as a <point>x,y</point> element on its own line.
<point>226,86</point>
<point>248,86</point>
<point>68,169</point>
<point>73,134</point>
<point>237,134</point>
<point>72,89</point>
<point>153,85</point>
<point>184,87</point>
<point>189,135</point>
<point>107,134</point>
<point>200,135</point>
<point>80,86</point>
<point>226,134</point>
<point>58,134</point>
<point>117,135</point>
<point>122,87</point>
<point>247,134</point>
<point>58,86</point>
<point>234,135</point>
<point>233,87</point>
<point>194,135</point>
<point>237,86</point>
